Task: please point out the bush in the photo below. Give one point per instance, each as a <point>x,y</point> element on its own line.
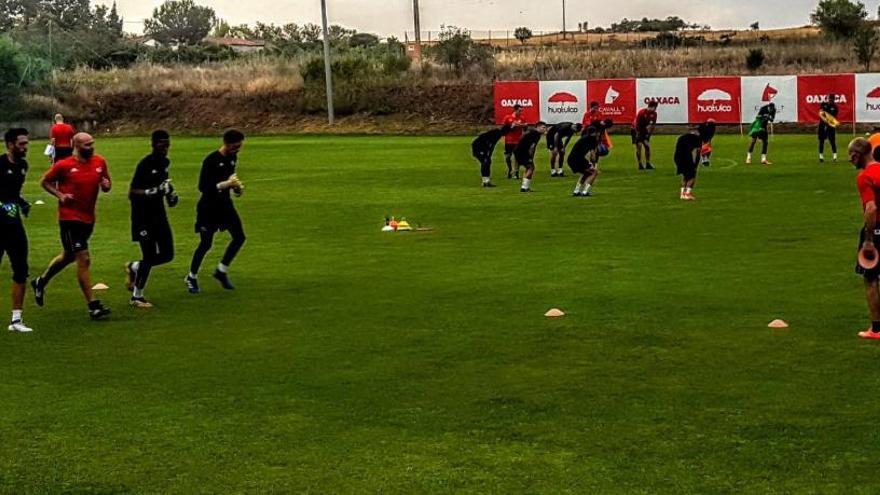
<point>345,67</point>
<point>11,69</point>
<point>755,59</point>
<point>458,50</point>
<point>363,40</point>
<point>395,63</point>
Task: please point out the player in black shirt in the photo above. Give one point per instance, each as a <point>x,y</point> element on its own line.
<point>582,160</point>
<point>558,138</point>
<point>827,131</point>
<point>707,134</point>
<point>687,160</point>
<point>525,154</point>
<point>483,147</point>
<point>13,239</point>
<point>150,189</point>
<point>215,210</point>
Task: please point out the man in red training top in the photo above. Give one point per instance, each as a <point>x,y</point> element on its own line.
<point>642,129</point>
<point>868,183</point>
<point>76,182</point>
<point>516,124</point>
<point>61,137</point>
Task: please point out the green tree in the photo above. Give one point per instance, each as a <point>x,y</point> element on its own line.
<point>839,19</point>
<point>523,34</point>
<point>180,21</point>
<point>363,40</point>
<point>457,49</point>
<point>11,70</point>
<point>755,59</point>
<point>310,33</point>
<point>755,26</point>
<point>865,44</point>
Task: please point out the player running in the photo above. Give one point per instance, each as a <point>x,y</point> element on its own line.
<point>558,138</point>
<point>707,134</point>
<point>13,239</point>
<point>759,130</point>
<point>868,183</point>
<point>484,147</point>
<point>61,137</point>
<point>828,112</point>
<point>642,130</point>
<point>76,182</point>
<point>525,154</point>
<point>687,161</point>
<point>215,211</point>
<point>150,189</point>
<point>512,138</point>
<point>582,161</point>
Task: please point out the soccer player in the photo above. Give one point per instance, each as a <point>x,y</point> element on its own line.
<point>13,239</point>
<point>558,138</point>
<point>484,147</point>
<point>150,189</point>
<point>868,183</point>
<point>827,131</point>
<point>592,118</point>
<point>582,161</point>
<point>687,161</point>
<point>707,134</point>
<point>525,154</point>
<point>512,138</point>
<point>642,129</point>
<point>758,130</point>
<point>61,137</point>
<point>76,182</point>
<point>215,211</point>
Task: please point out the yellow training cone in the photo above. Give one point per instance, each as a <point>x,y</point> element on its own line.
<point>100,287</point>
<point>778,324</point>
<point>554,313</point>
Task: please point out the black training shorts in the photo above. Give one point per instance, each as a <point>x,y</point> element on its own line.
<point>14,243</point>
<point>686,169</point>
<point>640,136</point>
<point>579,165</point>
<point>213,218</point>
<point>509,148</point>
<point>525,161</point>
<point>75,235</point>
<point>62,153</point>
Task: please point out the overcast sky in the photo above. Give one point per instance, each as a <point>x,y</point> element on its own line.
<point>392,17</point>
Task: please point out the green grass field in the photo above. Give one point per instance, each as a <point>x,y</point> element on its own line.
<point>351,361</point>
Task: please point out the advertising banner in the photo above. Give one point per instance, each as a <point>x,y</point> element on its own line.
<point>671,95</point>
<point>715,98</point>
<point>523,93</point>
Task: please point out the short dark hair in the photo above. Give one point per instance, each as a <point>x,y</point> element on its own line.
<point>13,134</point>
<point>160,135</point>
<point>653,103</point>
<point>541,123</point>
<point>876,154</point>
<point>594,104</point>
<point>517,107</point>
<point>233,136</point>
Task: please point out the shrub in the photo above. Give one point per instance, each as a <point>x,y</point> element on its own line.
<point>755,59</point>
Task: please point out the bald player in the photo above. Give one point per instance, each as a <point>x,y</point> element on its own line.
<point>76,182</point>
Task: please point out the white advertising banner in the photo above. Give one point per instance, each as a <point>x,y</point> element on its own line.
<point>758,91</point>
<point>563,101</point>
<point>867,98</point>
<point>671,95</point>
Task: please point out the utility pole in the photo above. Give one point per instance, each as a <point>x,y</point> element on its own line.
<point>328,68</point>
<point>417,25</point>
<point>563,20</point>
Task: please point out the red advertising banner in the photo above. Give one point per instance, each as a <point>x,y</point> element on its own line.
<point>524,93</point>
<point>814,90</point>
<point>616,99</point>
<point>716,98</point>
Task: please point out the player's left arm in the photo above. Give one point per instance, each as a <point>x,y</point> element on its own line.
<point>106,183</point>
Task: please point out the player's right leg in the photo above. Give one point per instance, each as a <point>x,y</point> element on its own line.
<point>206,241</point>
<point>647,146</point>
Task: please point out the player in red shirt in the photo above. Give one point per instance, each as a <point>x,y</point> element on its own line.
<point>76,182</point>
<point>642,129</point>
<point>868,183</point>
<point>61,137</point>
<point>512,138</point>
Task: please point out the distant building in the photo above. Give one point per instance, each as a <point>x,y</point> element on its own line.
<point>237,44</point>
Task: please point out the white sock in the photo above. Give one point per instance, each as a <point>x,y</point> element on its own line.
<point>222,268</point>
<point>485,180</point>
<point>749,156</point>
<point>193,275</point>
<point>16,316</point>
<point>577,188</point>
<point>137,293</point>
<point>763,158</point>
<point>821,156</point>
<point>135,265</point>
<point>835,156</point>
<point>527,183</point>
<point>587,187</point>
<point>683,190</point>
<point>688,190</point>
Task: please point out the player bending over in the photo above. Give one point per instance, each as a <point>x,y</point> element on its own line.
<point>759,130</point>
<point>558,144</point>
<point>484,147</point>
<point>687,161</point>
<point>707,134</point>
<point>525,154</point>
<point>150,189</point>
<point>642,130</point>
<point>582,161</point>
